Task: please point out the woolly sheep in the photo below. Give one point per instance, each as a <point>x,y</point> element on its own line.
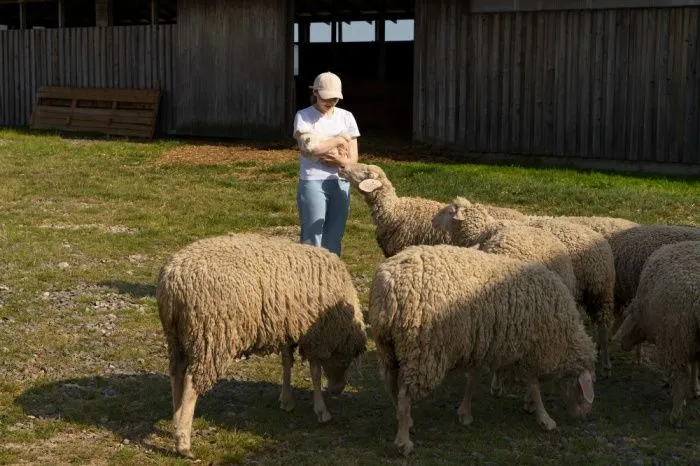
<point>666,311</point>
<point>309,141</point>
<point>589,254</point>
<point>401,221</point>
<point>442,307</point>
<point>606,226</point>
<point>632,248</point>
<point>471,225</point>
<point>224,297</point>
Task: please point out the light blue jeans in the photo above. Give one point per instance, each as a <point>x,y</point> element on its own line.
<point>323,211</point>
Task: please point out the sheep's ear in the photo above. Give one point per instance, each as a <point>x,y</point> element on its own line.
<point>585,381</point>
<point>369,185</point>
<point>459,214</point>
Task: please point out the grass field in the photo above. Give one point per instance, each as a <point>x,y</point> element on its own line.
<point>86,224</point>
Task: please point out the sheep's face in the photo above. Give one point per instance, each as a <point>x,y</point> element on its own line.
<point>366,178</point>
<point>335,370</point>
<point>630,333</point>
<point>448,218</point>
<point>579,394</point>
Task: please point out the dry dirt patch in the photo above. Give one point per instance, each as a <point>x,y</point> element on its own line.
<point>224,154</point>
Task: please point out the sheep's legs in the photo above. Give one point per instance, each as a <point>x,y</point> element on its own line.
<point>319,404</point>
<point>543,418</point>
<point>679,388</point>
<point>287,394</point>
<point>405,422</point>
<point>465,408</point>
<point>603,348</point>
<point>184,415</point>
<point>390,377</point>
<point>177,384</point>
<point>694,383</point>
<point>496,385</point>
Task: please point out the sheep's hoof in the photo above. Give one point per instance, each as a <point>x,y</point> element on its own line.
<point>465,419</point>
<point>185,452</point>
<point>323,416</point>
<point>405,446</point>
<point>287,402</point>
<point>529,407</point>
<point>675,420</point>
<point>547,423</point>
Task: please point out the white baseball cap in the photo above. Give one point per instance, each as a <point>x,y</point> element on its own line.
<point>328,86</point>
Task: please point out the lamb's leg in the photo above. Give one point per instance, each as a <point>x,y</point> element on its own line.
<point>405,422</point>
<point>320,408</point>
<point>543,418</point>
<point>287,394</point>
<point>679,388</point>
<point>694,383</point>
<point>638,354</point>
<point>184,416</point>
<point>496,385</point>
<point>465,408</point>
<point>603,349</point>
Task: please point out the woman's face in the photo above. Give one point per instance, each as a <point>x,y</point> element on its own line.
<point>325,105</point>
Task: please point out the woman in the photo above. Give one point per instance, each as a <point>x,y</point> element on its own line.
<point>323,198</point>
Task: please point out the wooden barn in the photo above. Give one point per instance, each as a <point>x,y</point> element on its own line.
<point>598,83</point>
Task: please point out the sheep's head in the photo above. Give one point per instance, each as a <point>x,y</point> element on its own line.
<point>630,332</point>
<point>366,178</point>
<point>463,220</point>
<point>578,393</point>
<point>336,368</point>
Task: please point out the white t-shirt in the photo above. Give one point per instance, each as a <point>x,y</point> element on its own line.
<point>310,118</point>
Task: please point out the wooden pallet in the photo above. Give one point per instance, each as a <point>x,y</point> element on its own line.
<point>109,111</point>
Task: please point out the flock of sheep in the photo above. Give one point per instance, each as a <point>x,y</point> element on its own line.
<point>464,286</point>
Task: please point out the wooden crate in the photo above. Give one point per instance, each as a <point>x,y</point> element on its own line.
<point>109,111</point>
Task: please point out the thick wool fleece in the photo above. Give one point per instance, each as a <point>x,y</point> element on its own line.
<point>471,225</point>
<point>227,296</point>
<point>401,221</point>
<point>666,307</point>
<point>593,262</point>
<point>606,226</point>
<point>632,248</point>
<point>434,308</point>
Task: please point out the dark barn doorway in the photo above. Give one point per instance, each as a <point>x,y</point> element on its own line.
<point>370,47</point>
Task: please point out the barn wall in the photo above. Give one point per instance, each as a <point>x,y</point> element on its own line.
<point>122,57</point>
<point>233,69</point>
<point>617,84</point>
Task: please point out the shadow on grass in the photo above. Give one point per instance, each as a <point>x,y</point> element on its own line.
<point>630,408</point>
<point>136,290</point>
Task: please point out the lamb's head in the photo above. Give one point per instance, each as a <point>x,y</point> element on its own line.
<point>366,178</point>
<point>578,393</point>
<point>464,221</point>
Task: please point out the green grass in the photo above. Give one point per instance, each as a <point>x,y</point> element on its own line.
<point>85,226</point>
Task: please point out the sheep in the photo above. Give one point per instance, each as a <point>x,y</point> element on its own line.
<point>588,252</point>
<point>665,310</point>
<point>606,226</point>
<point>632,248</point>
<point>228,296</point>
<point>435,308</point>
<point>471,225</point>
<point>401,221</point>
<point>308,141</point>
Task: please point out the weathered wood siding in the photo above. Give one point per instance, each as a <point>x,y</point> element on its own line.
<point>122,57</point>
<point>618,84</point>
<point>233,69</point>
